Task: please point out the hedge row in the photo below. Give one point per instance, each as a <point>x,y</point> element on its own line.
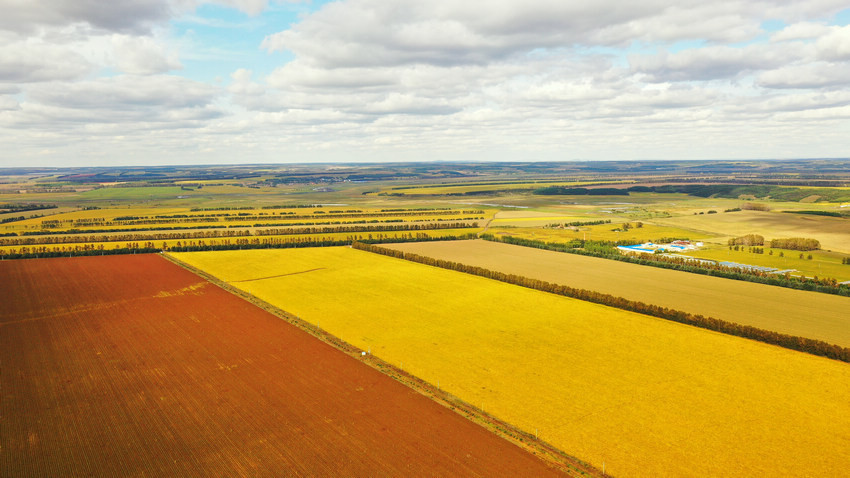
<point>802,344</point>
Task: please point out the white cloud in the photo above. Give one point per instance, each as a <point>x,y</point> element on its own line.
<point>835,45</point>
<point>33,60</point>
<point>142,56</point>
<point>439,79</point>
<point>811,75</point>
<point>712,62</point>
<point>800,31</point>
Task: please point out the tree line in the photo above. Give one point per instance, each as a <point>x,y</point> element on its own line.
<point>222,233</point>
<point>802,344</point>
<point>796,244</point>
<point>43,251</point>
<point>608,250</point>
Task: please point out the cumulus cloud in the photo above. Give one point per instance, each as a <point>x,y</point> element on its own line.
<point>32,61</point>
<point>812,75</point>
<point>123,102</point>
<point>711,63</point>
<point>126,92</point>
<point>126,16</point>
<point>142,56</point>
<point>371,79</point>
<point>835,45</point>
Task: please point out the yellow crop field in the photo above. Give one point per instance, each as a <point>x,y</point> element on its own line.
<point>643,396</point>
<point>795,312</point>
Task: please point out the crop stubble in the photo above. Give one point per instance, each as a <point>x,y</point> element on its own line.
<point>132,366</point>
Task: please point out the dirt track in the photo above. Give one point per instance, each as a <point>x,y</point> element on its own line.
<point>132,366</point>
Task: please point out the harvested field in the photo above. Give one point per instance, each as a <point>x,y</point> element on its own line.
<point>832,232</point>
<point>133,366</point>
<point>644,396</point>
<point>801,313</point>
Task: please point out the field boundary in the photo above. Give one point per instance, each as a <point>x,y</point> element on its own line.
<point>551,455</point>
<point>800,344</point>
<point>685,265</point>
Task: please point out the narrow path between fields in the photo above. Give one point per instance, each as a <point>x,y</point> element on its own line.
<point>280,275</point>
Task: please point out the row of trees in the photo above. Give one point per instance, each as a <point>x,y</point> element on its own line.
<point>323,242</point>
<point>42,251</point>
<point>163,236</point>
<point>796,244</point>
<point>578,223</point>
<point>608,250</point>
<point>802,344</point>
<point>366,228</point>
<point>75,252</point>
<point>221,232</point>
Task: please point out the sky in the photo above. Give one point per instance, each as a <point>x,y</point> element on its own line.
<point>150,82</point>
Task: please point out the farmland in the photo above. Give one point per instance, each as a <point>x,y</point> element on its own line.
<point>832,232</point>
<point>130,365</point>
<point>793,312</point>
<point>640,395</point>
<point>110,228</point>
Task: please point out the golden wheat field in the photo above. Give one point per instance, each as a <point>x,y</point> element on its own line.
<point>801,313</point>
<point>639,395</point>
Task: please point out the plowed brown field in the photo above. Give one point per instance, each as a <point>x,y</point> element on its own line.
<point>132,366</point>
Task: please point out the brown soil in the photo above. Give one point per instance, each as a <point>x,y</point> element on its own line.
<point>133,366</point>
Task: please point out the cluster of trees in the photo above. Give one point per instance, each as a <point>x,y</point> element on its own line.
<point>747,240</point>
<point>627,225</point>
<point>578,223</point>
<point>608,250</point>
<point>823,213</point>
<point>5,208</point>
<point>6,220</point>
<point>755,206</point>
<point>802,344</point>
<point>796,244</point>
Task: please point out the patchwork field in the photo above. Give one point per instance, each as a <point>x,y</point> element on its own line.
<point>133,366</point>
<point>643,396</point>
<point>807,314</point>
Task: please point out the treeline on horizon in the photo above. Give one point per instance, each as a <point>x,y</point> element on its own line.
<point>801,344</point>
<point>729,191</point>
<point>608,250</point>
